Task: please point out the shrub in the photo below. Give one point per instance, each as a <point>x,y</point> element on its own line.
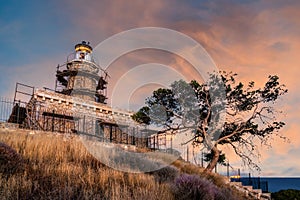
<point>286,194</point>
<point>166,174</point>
<point>10,161</point>
<point>193,187</point>
<point>215,178</point>
<point>226,193</point>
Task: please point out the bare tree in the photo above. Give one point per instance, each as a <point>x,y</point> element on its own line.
<point>219,112</point>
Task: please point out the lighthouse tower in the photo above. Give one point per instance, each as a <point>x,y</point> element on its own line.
<point>81,76</point>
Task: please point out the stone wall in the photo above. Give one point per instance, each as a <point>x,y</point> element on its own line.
<point>66,114</point>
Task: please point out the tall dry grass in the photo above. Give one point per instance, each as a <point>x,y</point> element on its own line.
<point>61,168</point>
<point>57,167</point>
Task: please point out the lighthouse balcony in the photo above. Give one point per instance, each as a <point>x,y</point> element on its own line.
<point>77,72</point>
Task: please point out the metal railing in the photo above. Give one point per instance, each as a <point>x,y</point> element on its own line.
<point>255,182</point>
<point>35,117</point>
<point>6,106</point>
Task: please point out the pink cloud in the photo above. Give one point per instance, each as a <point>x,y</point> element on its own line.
<point>254,40</point>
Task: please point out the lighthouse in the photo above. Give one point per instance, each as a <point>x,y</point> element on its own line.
<point>78,104</point>
<point>81,77</point>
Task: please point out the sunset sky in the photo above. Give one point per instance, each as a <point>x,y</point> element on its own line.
<point>252,38</point>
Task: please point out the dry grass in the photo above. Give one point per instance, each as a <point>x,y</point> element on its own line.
<point>60,168</point>
<point>56,167</point>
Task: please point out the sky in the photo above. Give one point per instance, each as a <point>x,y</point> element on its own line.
<point>252,38</point>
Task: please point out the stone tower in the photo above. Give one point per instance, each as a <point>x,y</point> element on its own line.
<point>81,76</point>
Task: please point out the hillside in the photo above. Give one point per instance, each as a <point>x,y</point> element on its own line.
<point>37,165</point>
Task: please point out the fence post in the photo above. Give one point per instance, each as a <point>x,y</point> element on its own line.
<point>250,181</point>
<point>227,168</point>
<point>53,120</point>
<point>157,141</point>
<point>187,153</point>
<point>110,133</point>
<point>18,112</point>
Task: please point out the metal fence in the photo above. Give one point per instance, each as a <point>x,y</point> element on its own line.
<point>255,182</point>
<point>32,116</point>
<point>6,106</point>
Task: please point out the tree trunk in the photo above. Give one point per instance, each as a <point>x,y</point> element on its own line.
<point>216,152</point>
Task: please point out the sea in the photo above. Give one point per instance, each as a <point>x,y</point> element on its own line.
<point>275,184</point>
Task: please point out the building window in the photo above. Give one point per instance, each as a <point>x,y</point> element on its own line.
<point>81,56</point>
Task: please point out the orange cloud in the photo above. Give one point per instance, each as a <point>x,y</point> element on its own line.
<point>254,40</point>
